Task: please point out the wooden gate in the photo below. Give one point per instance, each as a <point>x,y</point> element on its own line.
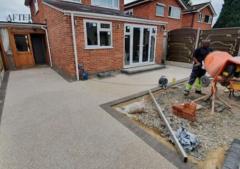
<point>182,42</point>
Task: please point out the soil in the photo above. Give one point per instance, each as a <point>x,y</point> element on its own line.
<point>215,131</point>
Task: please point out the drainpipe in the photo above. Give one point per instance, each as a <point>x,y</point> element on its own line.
<point>74,45</point>
<point>49,51</point>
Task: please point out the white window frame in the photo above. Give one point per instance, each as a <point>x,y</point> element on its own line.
<point>170,6</point>
<point>111,7</point>
<point>162,5</point>
<point>155,34</point>
<point>36,7</point>
<point>99,29</point>
<point>200,19</point>
<point>210,19</point>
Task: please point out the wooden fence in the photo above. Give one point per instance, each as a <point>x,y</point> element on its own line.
<point>183,42</point>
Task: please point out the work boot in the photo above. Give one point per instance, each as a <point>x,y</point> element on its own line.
<point>198,91</point>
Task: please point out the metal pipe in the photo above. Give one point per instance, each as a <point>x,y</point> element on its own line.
<point>48,44</point>
<point>179,146</point>
<point>74,46</point>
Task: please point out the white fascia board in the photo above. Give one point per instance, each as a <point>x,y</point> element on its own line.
<point>138,3</point>
<point>22,25</point>
<point>211,7</point>
<point>115,18</point>
<point>108,17</point>
<point>181,2</point>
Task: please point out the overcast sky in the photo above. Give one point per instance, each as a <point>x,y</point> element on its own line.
<point>17,6</point>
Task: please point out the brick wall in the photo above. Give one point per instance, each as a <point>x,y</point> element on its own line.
<point>148,11</point>
<point>188,20</point>
<point>39,17</point>
<point>60,39</point>
<point>100,60</point>
<point>121,2</point>
<point>94,60</point>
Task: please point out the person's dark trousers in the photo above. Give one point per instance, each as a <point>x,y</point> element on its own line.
<point>197,73</point>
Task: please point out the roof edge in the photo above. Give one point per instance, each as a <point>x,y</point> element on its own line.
<point>211,7</point>
<point>107,17</point>
<point>21,24</point>
<point>199,10</point>
<point>135,3</point>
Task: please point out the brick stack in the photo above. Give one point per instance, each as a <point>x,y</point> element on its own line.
<point>186,111</point>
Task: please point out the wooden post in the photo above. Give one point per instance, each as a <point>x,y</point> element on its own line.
<point>175,139</point>
<point>165,45</point>
<point>197,38</point>
<point>3,55</point>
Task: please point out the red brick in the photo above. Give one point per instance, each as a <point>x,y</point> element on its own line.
<point>186,111</point>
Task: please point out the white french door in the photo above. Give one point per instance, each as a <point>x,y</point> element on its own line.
<point>140,44</point>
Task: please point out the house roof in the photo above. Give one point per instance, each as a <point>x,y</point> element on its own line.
<point>139,2</point>
<point>70,6</point>
<point>87,11</point>
<point>199,7</point>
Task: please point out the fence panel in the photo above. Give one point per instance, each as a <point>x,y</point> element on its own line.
<point>223,39</point>
<point>181,44</point>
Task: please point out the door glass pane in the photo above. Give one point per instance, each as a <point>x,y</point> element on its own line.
<point>136,45</point>
<point>21,42</point>
<point>127,49</point>
<point>146,34</point>
<point>92,38</point>
<point>152,50</point>
<point>105,38</point>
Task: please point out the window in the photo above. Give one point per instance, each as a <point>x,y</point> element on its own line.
<point>210,19</point>
<point>207,19</point>
<point>21,42</point>
<point>106,3</point>
<point>129,12</point>
<point>159,10</point>
<point>98,34</point>
<point>36,9</point>
<point>200,17</point>
<point>174,12</point>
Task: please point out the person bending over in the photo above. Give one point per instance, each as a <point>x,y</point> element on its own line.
<point>198,68</point>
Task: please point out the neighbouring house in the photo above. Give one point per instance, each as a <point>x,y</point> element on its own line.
<point>176,13</point>
<point>23,45</point>
<point>98,35</point>
<point>199,16</point>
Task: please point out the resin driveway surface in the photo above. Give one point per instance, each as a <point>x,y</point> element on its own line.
<point>49,123</point>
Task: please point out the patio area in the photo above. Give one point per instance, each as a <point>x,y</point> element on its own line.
<point>49,123</point>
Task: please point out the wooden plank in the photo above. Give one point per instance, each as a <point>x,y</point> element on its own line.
<point>4,56</point>
<point>172,133</point>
